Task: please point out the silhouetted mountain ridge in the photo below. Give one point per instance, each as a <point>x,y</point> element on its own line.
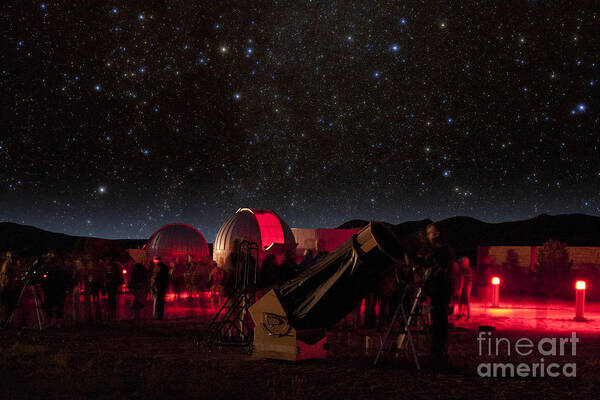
<point>29,240</point>
<point>466,233</point>
<point>463,233</point>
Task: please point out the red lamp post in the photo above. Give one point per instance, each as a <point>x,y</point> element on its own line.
<point>580,287</point>
<point>495,291</point>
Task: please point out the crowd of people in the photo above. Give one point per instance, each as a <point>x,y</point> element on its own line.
<point>88,289</point>
<point>446,281</point>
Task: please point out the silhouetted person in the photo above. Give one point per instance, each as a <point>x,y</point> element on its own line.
<point>138,284</point>
<point>269,272</point>
<point>112,283</point>
<point>177,278</point>
<point>388,293</point>
<point>288,268</point>
<point>467,279</point>
<point>457,286</point>
<point>533,273</point>
<point>438,256</point>
<point>160,282</point>
<point>79,283</point>
<point>370,311</point>
<point>308,260</point>
<point>188,277</point>
<point>215,282</point>
<point>96,284</point>
<point>201,274</point>
<point>55,287</point>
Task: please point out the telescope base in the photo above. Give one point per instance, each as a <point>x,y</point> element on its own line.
<point>275,338</point>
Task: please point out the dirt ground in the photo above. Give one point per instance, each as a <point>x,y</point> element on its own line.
<point>155,360</point>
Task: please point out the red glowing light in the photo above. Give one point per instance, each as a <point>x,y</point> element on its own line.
<point>124,271</point>
<point>270,228</point>
<point>580,285</point>
<point>495,280</point>
<point>45,276</point>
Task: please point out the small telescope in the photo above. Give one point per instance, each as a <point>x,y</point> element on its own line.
<point>290,323</point>
<point>31,273</point>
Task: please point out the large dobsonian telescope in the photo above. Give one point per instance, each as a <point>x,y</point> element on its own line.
<point>290,322</point>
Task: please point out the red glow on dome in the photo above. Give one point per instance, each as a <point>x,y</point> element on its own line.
<point>580,285</point>
<point>495,280</point>
<point>270,228</point>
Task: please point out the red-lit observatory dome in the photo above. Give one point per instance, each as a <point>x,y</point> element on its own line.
<point>263,227</point>
<point>176,241</point>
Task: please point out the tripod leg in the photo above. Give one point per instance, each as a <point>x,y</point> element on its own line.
<point>37,307</point>
<point>17,304</point>
<point>387,334</point>
<point>408,321</point>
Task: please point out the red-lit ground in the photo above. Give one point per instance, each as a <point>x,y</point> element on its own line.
<point>534,315</point>
<point>121,359</point>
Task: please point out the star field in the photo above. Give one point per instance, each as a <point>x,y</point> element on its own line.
<point>118,117</point>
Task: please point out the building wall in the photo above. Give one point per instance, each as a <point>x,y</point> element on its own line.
<point>321,239</point>
<point>138,255</point>
<point>583,256</point>
<point>527,255</point>
<point>519,256</point>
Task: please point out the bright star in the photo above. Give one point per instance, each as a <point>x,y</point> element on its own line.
<point>579,109</point>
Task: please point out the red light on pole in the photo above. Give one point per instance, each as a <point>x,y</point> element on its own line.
<point>495,291</point>
<point>124,271</point>
<point>580,287</point>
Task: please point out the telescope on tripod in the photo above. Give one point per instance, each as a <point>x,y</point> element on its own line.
<point>29,279</point>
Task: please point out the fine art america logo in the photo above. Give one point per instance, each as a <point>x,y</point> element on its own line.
<point>524,347</point>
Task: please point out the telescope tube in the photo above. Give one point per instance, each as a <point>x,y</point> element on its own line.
<point>325,293</point>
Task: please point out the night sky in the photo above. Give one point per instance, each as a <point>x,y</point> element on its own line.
<point>119,117</point>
